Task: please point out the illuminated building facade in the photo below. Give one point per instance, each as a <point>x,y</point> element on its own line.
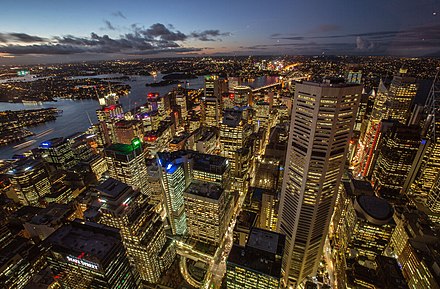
<point>398,149</point>
<point>206,212</point>
<point>16,269</point>
<point>126,163</point>
<point>141,228</point>
<point>416,245</point>
<point>373,226</point>
<point>174,184</point>
<point>242,96</point>
<point>258,263</point>
<point>401,93</point>
<point>234,133</point>
<point>30,181</point>
<point>89,255</point>
<point>107,117</point>
<point>211,106</point>
<point>127,130</point>
<point>321,126</point>
<point>58,153</point>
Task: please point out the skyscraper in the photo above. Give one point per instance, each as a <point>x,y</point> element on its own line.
<point>126,163</point>
<point>322,120</point>
<point>30,181</point>
<point>173,184</point>
<point>89,255</point>
<point>398,149</point>
<point>141,228</point>
<point>211,108</point>
<point>258,264</point>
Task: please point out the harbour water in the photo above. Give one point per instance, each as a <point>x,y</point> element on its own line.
<point>75,112</point>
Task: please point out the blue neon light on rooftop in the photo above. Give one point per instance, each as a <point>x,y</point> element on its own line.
<point>46,144</point>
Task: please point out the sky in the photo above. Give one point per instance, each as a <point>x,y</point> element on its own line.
<point>63,31</point>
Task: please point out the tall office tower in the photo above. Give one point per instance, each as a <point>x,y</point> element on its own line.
<point>211,106</point>
<point>234,133</point>
<point>89,255</point>
<point>126,163</point>
<point>107,116</point>
<point>423,183</point>
<point>258,263</point>
<point>173,184</point>
<point>416,244</point>
<point>30,181</point>
<point>58,153</point>
<point>206,212</point>
<point>127,130</point>
<point>365,152</point>
<point>141,228</point>
<point>398,149</point>
<point>242,96</point>
<point>181,104</point>
<point>16,266</point>
<point>233,81</point>
<point>372,218</point>
<point>402,91</point>
<point>353,74</point>
<point>321,126</point>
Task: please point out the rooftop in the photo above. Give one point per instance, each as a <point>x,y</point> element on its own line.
<point>375,210</point>
<point>94,240</point>
<point>265,240</point>
<point>205,189</point>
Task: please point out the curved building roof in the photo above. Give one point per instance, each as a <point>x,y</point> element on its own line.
<point>375,210</point>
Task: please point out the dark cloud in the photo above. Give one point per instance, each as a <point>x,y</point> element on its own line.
<point>20,37</point>
<point>159,30</point>
<point>157,38</point>
<point>119,14</point>
<point>109,25</point>
<point>207,35</point>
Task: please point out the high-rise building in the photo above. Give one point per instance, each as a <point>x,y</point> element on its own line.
<point>16,268</point>
<point>401,93</point>
<point>321,126</point>
<point>127,130</point>
<point>107,116</point>
<point>141,228</point>
<point>398,149</point>
<point>258,263</point>
<point>126,163</point>
<point>415,243</point>
<point>211,105</point>
<point>234,133</point>
<point>173,184</point>
<point>30,181</point>
<point>89,255</point>
<point>206,212</point>
<point>58,153</point>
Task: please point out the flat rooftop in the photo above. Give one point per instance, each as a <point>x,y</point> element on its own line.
<point>265,240</point>
<point>92,239</point>
<point>205,189</point>
<point>112,188</point>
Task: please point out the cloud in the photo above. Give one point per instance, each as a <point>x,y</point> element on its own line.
<point>119,14</point>
<point>109,25</point>
<point>159,30</point>
<point>207,35</point>
<point>139,40</point>
<point>364,44</point>
<point>20,37</point>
